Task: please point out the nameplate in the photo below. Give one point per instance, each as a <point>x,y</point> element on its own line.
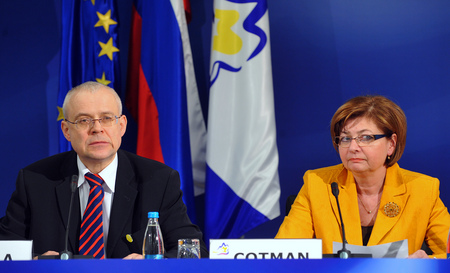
<point>265,249</point>
<point>16,250</point>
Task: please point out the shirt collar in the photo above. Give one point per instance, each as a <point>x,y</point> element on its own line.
<point>108,174</point>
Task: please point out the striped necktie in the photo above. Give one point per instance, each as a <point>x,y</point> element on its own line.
<point>91,233</point>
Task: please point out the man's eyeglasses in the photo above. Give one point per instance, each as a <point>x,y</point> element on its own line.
<point>105,121</point>
<point>362,140</point>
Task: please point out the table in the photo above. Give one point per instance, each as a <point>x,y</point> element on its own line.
<point>230,266</point>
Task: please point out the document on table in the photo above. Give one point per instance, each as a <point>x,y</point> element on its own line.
<point>397,249</point>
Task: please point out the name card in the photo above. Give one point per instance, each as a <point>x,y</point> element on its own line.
<point>16,250</point>
<point>265,249</point>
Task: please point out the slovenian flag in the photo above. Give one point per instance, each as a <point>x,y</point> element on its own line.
<point>162,93</point>
<point>89,49</point>
<point>242,185</point>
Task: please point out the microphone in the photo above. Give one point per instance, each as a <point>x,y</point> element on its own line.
<point>66,254</point>
<point>344,253</point>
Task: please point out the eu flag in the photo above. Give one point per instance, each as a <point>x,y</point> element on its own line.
<point>89,49</point>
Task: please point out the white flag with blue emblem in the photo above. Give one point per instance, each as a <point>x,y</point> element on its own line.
<point>242,185</point>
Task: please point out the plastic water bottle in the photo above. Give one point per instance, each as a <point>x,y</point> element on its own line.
<point>153,247</point>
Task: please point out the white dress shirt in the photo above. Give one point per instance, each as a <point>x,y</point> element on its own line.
<point>109,176</point>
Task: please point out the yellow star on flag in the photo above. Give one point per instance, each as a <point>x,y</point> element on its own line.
<point>60,115</point>
<point>92,1</point>
<point>108,49</point>
<point>105,20</point>
<point>103,80</point>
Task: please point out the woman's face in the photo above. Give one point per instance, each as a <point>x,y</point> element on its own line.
<point>368,159</point>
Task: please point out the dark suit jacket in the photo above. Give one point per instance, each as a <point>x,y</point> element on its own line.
<point>39,207</point>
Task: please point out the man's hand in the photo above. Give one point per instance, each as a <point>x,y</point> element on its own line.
<point>134,256</point>
<point>48,253</point>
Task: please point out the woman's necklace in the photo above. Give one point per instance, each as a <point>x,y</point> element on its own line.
<point>364,206</point>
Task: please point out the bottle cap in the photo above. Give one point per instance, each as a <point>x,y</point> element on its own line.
<point>153,214</point>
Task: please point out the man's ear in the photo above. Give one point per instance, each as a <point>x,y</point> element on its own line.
<point>65,129</point>
<point>123,124</point>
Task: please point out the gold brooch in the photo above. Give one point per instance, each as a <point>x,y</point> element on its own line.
<point>391,209</point>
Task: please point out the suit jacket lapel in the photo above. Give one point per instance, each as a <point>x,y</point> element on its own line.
<point>124,198</point>
<point>349,207</point>
<point>394,191</point>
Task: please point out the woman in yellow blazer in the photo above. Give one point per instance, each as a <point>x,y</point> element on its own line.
<point>380,202</point>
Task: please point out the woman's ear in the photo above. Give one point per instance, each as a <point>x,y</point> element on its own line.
<point>392,144</point>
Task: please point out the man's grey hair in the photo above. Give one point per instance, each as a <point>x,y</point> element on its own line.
<point>91,87</point>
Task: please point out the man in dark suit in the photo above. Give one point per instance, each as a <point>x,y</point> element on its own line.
<point>133,186</point>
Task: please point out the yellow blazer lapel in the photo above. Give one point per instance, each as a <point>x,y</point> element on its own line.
<point>349,207</point>
<point>394,191</point>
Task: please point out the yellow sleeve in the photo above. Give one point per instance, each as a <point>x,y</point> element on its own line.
<point>438,226</point>
<point>299,224</point>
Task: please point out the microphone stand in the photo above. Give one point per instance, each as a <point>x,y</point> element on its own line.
<point>66,254</point>
<point>344,253</point>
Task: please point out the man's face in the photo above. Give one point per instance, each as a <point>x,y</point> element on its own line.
<point>95,145</point>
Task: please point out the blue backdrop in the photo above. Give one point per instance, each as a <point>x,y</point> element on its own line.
<point>323,53</point>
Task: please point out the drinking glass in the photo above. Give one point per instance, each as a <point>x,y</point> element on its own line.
<point>188,249</point>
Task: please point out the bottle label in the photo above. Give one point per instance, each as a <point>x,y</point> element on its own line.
<point>154,257</point>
